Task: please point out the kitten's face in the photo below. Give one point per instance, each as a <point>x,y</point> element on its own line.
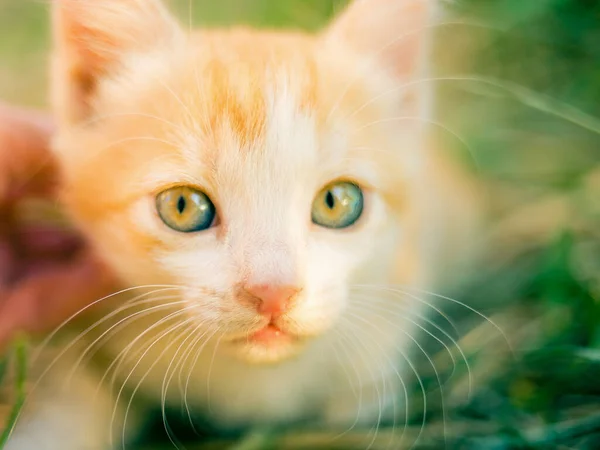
<point>236,165</point>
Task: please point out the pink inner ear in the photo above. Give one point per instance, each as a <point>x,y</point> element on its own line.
<point>85,43</point>
<point>85,49</point>
<point>391,31</point>
<point>92,38</point>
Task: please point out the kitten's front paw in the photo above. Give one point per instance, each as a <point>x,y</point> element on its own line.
<point>67,411</point>
<point>43,433</point>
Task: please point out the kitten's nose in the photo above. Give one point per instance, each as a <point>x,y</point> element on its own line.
<point>272,299</point>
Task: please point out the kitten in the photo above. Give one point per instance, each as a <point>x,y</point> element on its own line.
<point>274,187</point>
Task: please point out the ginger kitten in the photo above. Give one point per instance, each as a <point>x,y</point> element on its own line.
<point>270,189</point>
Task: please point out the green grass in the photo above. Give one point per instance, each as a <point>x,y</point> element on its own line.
<point>529,116</point>
<point>18,364</point>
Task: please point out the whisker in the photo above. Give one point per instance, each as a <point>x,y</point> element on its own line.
<point>206,122</point>
<point>379,394</point>
<point>169,377</point>
<point>373,57</point>
<point>178,99</point>
<point>70,345</point>
<point>210,372</point>
<point>159,338</point>
<point>470,308</point>
<point>187,382</point>
<point>524,95</point>
<point>165,384</point>
<point>439,125</point>
<point>394,368</point>
<point>45,342</point>
<point>140,138</point>
<point>100,118</point>
<point>116,402</point>
<point>407,312</point>
<point>120,359</point>
<point>437,376</point>
<point>118,327</point>
<point>186,356</point>
<point>125,321</point>
<point>341,364</point>
<point>359,391</point>
<point>388,288</point>
<point>190,15</point>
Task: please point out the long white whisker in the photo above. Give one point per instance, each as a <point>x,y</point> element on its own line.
<point>126,319</point>
<point>379,394</point>
<point>464,305</point>
<point>437,376</point>
<point>162,335</point>
<point>120,359</point>
<point>373,57</point>
<point>440,125</point>
<point>360,385</point>
<point>169,377</point>
<point>178,100</point>
<point>210,372</point>
<point>99,118</point>
<point>167,380</point>
<point>115,329</point>
<point>45,342</point>
<point>524,95</point>
<point>187,381</point>
<point>342,365</point>
<point>116,402</point>
<point>190,15</point>
<point>392,289</point>
<point>393,366</point>
<point>70,345</point>
<point>186,356</point>
<point>140,138</point>
<point>404,314</point>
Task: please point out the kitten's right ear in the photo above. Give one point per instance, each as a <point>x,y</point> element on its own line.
<point>392,32</point>
<point>94,39</point>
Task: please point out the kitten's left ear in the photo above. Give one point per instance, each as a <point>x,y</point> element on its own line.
<point>393,33</point>
<point>94,40</point>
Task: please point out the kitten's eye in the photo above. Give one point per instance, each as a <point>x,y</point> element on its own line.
<point>185,209</point>
<point>338,205</point>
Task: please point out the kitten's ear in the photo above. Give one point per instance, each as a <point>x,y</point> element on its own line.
<point>94,39</point>
<point>391,32</point>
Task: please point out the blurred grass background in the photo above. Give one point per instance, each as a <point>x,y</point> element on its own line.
<point>519,82</point>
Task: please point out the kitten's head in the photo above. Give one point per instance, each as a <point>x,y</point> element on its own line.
<point>264,173</point>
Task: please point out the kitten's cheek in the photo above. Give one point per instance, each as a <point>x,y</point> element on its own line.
<point>318,314</point>
<point>145,215</point>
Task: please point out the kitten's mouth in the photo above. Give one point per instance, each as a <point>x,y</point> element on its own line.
<point>269,344</point>
<point>269,335</point>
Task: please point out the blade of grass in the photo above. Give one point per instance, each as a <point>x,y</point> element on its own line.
<point>20,361</point>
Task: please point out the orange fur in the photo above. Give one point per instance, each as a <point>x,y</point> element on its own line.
<point>260,121</point>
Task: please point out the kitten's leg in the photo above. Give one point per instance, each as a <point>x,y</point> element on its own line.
<point>61,416</point>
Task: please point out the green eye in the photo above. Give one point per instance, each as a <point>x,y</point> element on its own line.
<point>185,209</point>
<point>338,205</point>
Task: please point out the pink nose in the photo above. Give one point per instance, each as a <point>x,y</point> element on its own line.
<point>272,299</point>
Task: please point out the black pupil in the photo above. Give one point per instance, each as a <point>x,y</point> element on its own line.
<point>181,205</point>
<point>330,200</point>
